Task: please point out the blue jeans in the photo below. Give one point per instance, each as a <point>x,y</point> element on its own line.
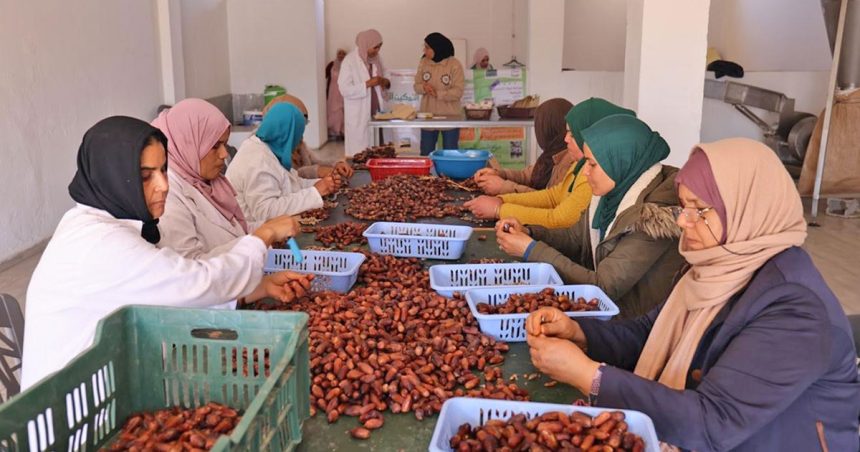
<point>450,140</point>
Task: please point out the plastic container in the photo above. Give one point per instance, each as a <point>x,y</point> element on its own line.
<point>511,327</point>
<point>252,117</point>
<point>508,112</point>
<point>337,270</point>
<point>380,168</point>
<point>146,358</point>
<point>434,241</point>
<point>447,279</point>
<point>459,164</point>
<point>460,410</point>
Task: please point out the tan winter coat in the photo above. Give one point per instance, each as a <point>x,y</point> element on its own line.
<point>447,79</point>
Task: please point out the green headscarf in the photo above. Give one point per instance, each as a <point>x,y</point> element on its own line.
<point>282,129</point>
<point>624,147</point>
<point>583,115</point>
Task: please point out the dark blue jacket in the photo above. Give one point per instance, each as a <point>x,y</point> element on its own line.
<point>778,358</point>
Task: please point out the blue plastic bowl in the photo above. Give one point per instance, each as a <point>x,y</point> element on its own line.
<point>459,163</point>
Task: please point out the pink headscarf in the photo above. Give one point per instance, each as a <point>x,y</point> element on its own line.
<point>480,54</point>
<point>192,127</point>
<point>365,41</point>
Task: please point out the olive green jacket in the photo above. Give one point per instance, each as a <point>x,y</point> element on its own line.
<point>636,261</point>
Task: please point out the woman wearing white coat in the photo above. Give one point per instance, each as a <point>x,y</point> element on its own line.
<point>362,85</point>
<point>103,255</point>
<point>262,171</point>
<point>201,217</point>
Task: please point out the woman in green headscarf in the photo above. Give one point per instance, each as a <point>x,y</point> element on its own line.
<point>562,204</point>
<point>626,243</point>
<point>262,173</point>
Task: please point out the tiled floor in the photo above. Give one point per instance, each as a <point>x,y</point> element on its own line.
<point>835,248</point>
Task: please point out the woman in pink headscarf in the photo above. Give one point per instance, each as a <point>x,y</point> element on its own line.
<point>481,60</point>
<point>334,100</point>
<point>362,85</point>
<point>201,215</point>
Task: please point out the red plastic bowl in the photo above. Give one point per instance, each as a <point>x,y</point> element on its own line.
<point>382,168</point>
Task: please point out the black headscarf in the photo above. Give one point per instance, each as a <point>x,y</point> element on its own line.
<point>108,175</point>
<point>549,131</point>
<point>442,46</point>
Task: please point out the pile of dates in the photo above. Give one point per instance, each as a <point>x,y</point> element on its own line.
<point>606,432</point>
<point>403,198</point>
<point>176,429</point>
<point>341,235</point>
<point>359,161</point>
<point>531,302</point>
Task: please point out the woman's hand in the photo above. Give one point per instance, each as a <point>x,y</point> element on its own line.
<point>485,172</point>
<point>326,185</point>
<point>283,286</point>
<point>343,169</point>
<point>551,322</point>
<point>486,207</point>
<point>491,184</point>
<point>511,224</point>
<point>385,82</point>
<point>514,242</point>
<point>429,90</point>
<point>278,229</point>
<point>562,361</point>
<point>373,81</point>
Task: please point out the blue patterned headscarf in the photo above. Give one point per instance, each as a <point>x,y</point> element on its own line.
<point>282,129</point>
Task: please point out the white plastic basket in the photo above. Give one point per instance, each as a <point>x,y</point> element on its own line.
<point>335,270</point>
<point>447,279</point>
<point>435,241</point>
<point>512,327</point>
<point>460,410</point>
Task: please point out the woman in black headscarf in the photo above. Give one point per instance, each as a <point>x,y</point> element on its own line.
<point>440,82</point>
<point>102,255</point>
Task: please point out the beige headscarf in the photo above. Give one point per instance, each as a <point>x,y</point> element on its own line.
<point>764,216</point>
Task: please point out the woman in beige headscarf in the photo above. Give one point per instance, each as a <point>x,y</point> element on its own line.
<point>751,351</point>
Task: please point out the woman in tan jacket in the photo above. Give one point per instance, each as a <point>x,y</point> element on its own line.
<point>440,82</point>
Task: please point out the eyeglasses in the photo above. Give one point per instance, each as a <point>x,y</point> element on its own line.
<point>691,214</point>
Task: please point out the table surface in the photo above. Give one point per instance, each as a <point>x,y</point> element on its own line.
<point>402,432</point>
<point>452,122</point>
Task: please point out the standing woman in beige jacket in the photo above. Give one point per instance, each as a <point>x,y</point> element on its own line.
<point>440,82</point>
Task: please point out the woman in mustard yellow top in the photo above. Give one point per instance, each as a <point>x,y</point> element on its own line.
<point>561,205</point>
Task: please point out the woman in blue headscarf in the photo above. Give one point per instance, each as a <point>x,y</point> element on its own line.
<point>262,172</point>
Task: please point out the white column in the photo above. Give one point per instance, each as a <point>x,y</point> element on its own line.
<point>170,47</point>
<point>664,70</point>
<point>545,48</point>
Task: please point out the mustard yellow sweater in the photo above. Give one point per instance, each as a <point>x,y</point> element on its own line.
<point>554,207</point>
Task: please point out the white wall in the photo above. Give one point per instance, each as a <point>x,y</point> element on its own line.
<point>404,24</point>
<point>66,66</point>
<point>205,48</point>
<point>594,35</point>
<point>287,51</point>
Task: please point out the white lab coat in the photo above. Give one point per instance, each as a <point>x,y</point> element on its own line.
<point>96,264</point>
<point>264,188</point>
<point>356,101</point>
<point>192,226</point>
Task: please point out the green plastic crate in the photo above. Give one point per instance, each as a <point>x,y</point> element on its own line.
<point>148,358</point>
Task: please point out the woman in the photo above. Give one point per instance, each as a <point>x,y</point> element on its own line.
<point>550,168</point>
<point>561,205</point>
<point>362,85</point>
<point>626,241</point>
<point>307,163</point>
<point>201,216</point>
<point>103,255</point>
<point>440,82</point>
<point>481,60</point>
<point>751,351</point>
<point>262,172</point>
<point>334,100</point>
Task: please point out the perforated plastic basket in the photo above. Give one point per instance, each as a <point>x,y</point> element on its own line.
<point>447,279</point>
<point>434,241</point>
<point>147,358</point>
<point>460,410</point>
<point>511,327</point>
<point>338,270</point>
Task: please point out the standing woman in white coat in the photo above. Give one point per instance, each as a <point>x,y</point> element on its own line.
<point>267,185</point>
<point>362,85</point>
<point>103,255</point>
<point>201,216</point>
